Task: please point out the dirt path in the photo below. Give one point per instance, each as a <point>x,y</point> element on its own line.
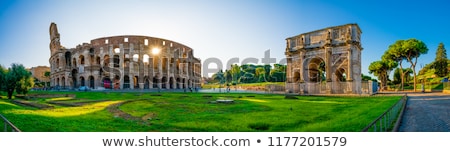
<point>114,109</point>
<point>429,112</point>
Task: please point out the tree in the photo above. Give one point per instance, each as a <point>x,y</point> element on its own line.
<point>24,84</point>
<point>228,76</point>
<point>16,73</point>
<point>2,77</point>
<point>408,50</point>
<point>397,75</point>
<point>47,75</point>
<point>218,76</point>
<point>440,62</point>
<point>260,73</point>
<point>381,69</point>
<point>278,73</point>
<point>235,72</point>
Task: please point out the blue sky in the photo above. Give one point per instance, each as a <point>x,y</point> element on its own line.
<point>220,29</point>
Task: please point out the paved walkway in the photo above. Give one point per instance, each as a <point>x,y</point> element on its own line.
<point>427,112</point>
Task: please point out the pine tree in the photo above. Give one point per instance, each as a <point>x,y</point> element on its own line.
<point>440,63</point>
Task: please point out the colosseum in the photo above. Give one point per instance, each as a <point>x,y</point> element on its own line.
<point>123,62</point>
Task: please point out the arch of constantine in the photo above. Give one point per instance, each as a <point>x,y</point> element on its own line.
<point>325,61</point>
<point>123,62</point>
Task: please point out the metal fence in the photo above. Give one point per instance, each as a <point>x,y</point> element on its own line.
<point>312,88</point>
<point>8,126</point>
<point>385,121</point>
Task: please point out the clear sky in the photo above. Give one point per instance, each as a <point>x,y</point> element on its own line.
<point>220,29</point>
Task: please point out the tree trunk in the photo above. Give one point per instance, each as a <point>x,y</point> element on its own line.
<point>10,92</point>
<point>402,75</point>
<point>414,74</point>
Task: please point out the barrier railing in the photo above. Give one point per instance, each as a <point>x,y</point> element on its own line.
<point>385,121</point>
<point>8,126</point>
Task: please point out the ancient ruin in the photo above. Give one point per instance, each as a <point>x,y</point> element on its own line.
<point>123,62</point>
<point>325,61</point>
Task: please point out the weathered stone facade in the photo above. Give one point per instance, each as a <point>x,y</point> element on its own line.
<point>337,48</point>
<point>123,62</point>
<point>39,73</point>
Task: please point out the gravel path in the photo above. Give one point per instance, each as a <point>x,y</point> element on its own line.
<point>428,112</point>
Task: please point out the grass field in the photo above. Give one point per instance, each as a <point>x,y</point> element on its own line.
<point>101,111</point>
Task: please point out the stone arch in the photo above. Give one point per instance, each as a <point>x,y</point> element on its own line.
<point>314,70</point>
<point>126,82</point>
<point>136,82</point>
<point>116,61</point>
<point>82,60</point>
<point>74,78</point>
<point>340,75</point>
<point>91,82</point>
<point>106,82</point>
<point>106,61</point>
<point>57,82</point>
<point>117,82</point>
<point>296,77</point>
<point>67,56</point>
<point>155,82</point>
<point>82,82</point>
<point>74,62</point>
<point>63,82</point>
<point>326,56</point>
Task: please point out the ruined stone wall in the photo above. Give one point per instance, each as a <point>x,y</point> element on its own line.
<point>126,62</point>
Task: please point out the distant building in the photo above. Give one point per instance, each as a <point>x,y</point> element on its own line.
<point>39,73</point>
<point>123,62</point>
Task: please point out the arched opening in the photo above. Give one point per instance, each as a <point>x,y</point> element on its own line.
<point>126,82</point>
<point>316,70</point>
<point>106,61</point>
<point>74,62</point>
<point>116,82</point>
<point>116,61</point>
<point>97,60</point>
<point>82,81</point>
<point>81,60</point>
<point>155,82</point>
<point>107,83</point>
<point>63,82</point>
<point>74,78</point>
<point>57,82</point>
<point>296,77</point>
<point>146,83</point>
<point>136,57</point>
<point>341,75</point>
<point>178,83</point>
<point>91,82</point>
<point>183,83</point>
<point>145,58</point>
<point>68,55</point>
<point>171,83</point>
<point>136,82</point>
<point>57,63</point>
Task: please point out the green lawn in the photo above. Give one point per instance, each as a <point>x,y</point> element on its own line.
<point>194,112</point>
